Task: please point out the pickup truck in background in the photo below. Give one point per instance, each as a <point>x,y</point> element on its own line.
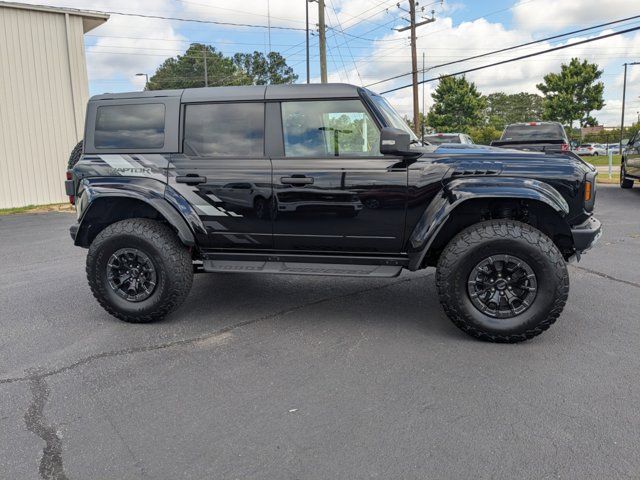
<point>534,136</point>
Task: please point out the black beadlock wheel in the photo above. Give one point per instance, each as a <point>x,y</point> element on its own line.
<point>502,281</point>
<point>138,270</point>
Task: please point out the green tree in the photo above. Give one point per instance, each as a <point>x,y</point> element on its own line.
<point>484,134</point>
<point>457,105</point>
<point>503,109</point>
<point>573,93</point>
<point>187,71</point>
<point>263,70</point>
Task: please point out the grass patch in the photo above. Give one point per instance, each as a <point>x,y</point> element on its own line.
<point>602,160</point>
<point>604,178</point>
<point>52,207</point>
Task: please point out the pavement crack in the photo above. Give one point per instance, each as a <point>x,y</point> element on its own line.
<point>51,467</point>
<point>201,338</point>
<point>608,277</point>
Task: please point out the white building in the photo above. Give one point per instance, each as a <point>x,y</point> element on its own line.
<point>43,94</point>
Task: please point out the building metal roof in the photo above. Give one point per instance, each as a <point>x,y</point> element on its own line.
<point>90,18</point>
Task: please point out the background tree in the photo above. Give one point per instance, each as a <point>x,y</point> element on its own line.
<point>573,93</point>
<point>457,105</point>
<point>503,108</point>
<point>187,71</point>
<point>484,134</point>
<point>263,70</point>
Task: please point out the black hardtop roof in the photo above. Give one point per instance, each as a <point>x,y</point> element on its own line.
<point>250,92</point>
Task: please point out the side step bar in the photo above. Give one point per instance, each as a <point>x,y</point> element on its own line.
<point>297,268</point>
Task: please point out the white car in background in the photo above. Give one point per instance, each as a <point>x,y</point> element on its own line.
<point>591,149</point>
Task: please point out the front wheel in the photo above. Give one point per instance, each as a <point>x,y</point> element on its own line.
<point>502,281</point>
<point>138,270</point>
<point>624,181</point>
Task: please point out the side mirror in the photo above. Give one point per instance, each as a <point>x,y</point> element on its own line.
<point>394,141</point>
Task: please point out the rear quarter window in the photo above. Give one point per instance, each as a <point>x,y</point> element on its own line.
<point>136,126</point>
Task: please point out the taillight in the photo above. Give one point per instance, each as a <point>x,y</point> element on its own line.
<point>565,147</point>
<point>70,187</point>
<point>590,148</point>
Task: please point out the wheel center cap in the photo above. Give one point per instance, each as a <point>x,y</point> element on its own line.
<point>135,273</point>
<point>501,284</point>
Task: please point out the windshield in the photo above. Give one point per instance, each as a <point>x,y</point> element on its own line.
<point>392,117</point>
<point>535,131</point>
<point>439,139</point>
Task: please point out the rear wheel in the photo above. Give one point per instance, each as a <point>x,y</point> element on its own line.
<point>138,270</point>
<point>502,281</point>
<point>624,181</point>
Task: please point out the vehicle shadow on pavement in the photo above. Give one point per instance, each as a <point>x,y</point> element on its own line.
<point>408,302</point>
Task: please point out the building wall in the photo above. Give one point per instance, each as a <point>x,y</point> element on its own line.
<point>43,94</point>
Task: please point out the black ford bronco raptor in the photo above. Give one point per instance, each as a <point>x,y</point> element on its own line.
<point>319,180</point>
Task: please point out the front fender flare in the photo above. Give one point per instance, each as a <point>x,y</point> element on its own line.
<point>460,190</point>
<point>146,190</point>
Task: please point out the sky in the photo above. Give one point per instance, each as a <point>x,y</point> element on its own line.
<point>363,46</point>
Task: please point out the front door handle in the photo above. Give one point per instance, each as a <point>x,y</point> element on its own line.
<point>191,179</point>
<point>296,180</point>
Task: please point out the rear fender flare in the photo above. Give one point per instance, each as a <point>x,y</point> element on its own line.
<point>148,191</point>
<point>455,192</point>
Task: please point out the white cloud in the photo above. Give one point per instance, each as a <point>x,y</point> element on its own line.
<point>444,42</point>
<point>545,15</point>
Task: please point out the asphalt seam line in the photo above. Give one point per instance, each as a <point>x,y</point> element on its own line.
<point>188,341</point>
<point>608,277</point>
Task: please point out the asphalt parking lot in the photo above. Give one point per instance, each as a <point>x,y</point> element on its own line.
<point>291,377</point>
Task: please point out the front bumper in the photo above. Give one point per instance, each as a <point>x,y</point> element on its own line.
<point>586,234</point>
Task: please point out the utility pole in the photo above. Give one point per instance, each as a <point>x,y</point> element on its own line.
<point>306,5</point>
<point>323,42</point>
<point>414,58</point>
<point>206,73</point>
<point>424,100</point>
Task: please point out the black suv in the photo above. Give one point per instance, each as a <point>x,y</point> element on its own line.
<point>319,180</point>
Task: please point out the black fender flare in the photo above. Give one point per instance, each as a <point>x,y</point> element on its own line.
<point>146,190</point>
<point>457,191</point>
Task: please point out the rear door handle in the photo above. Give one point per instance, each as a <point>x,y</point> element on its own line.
<point>191,179</point>
<point>301,180</point>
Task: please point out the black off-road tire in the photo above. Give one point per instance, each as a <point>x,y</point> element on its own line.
<point>171,259</point>
<point>624,181</point>
<point>496,237</point>
<point>74,156</point>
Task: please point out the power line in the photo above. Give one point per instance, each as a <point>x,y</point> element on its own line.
<point>514,47</point>
<point>335,14</point>
<point>535,54</point>
<point>198,20</point>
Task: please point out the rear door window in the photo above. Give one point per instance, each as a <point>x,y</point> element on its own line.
<point>224,130</point>
<point>134,126</point>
